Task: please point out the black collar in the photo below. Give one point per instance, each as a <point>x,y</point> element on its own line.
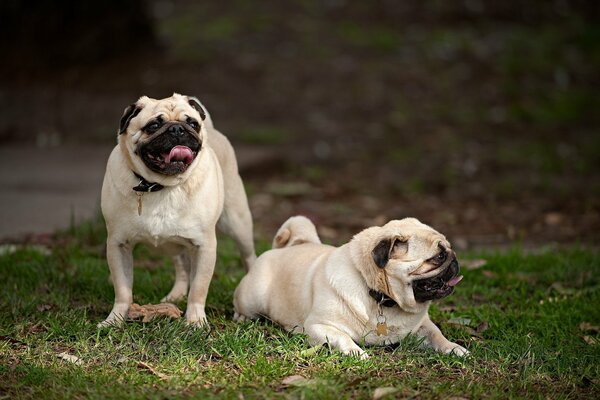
<point>145,186</point>
<point>382,298</point>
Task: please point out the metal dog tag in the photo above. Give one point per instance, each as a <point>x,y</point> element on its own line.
<point>381,329</point>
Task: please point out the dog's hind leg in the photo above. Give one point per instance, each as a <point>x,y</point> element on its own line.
<point>236,220</point>
<point>182,279</point>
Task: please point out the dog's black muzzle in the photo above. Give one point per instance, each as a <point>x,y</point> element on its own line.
<point>170,150</point>
<point>438,286</point>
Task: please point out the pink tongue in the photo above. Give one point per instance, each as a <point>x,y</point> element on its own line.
<point>179,153</point>
<point>454,281</point>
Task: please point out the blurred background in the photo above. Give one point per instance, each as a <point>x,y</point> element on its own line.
<point>478,117</point>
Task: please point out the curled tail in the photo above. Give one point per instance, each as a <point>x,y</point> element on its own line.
<point>296,230</point>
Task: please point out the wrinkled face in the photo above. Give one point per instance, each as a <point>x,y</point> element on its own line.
<point>166,135</point>
<point>418,261</point>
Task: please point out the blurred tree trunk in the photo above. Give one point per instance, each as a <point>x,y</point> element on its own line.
<point>52,34</point>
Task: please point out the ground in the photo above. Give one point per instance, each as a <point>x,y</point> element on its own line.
<point>530,320</point>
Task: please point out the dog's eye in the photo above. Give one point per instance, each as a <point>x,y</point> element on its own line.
<point>153,127</point>
<point>440,257</point>
<point>193,123</point>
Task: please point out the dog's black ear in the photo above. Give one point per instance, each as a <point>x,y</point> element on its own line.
<point>197,106</point>
<point>130,113</point>
<point>381,253</point>
<point>384,249</point>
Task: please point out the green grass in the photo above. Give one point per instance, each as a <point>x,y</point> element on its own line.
<point>534,347</point>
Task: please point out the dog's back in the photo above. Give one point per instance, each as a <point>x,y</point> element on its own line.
<point>296,230</point>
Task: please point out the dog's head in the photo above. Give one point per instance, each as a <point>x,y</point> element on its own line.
<point>417,261</point>
<point>163,137</point>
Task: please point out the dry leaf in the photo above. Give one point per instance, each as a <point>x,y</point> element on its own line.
<point>70,358</point>
<point>473,264</point>
<point>148,311</point>
<point>590,340</point>
<point>587,327</point>
<point>381,392</point>
<point>149,368</point>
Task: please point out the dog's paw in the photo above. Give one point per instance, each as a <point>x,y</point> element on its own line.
<point>356,352</point>
<point>116,316</point>
<point>111,321</point>
<point>195,316</point>
<point>239,317</point>
<point>457,350</point>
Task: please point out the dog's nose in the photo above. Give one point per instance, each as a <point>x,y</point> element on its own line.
<point>176,130</point>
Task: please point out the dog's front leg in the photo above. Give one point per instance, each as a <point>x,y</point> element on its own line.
<point>120,262</point>
<point>203,257</point>
<point>437,341</point>
<point>322,333</point>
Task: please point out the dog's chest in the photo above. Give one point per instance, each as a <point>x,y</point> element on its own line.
<point>396,327</point>
<point>167,221</point>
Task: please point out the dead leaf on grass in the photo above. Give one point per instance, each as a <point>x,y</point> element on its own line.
<point>592,341</point>
<point>473,264</point>
<point>587,327</point>
<point>148,311</point>
<point>70,358</point>
<point>149,368</point>
<point>381,392</point>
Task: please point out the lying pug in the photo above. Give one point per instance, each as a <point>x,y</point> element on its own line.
<point>171,179</point>
<point>376,289</point>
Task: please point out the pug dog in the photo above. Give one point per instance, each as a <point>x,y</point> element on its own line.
<point>169,182</point>
<point>375,290</point>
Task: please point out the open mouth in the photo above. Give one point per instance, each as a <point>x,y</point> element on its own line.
<point>168,156</point>
<point>438,286</point>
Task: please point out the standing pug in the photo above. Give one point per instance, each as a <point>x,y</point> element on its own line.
<point>376,289</point>
<point>171,179</point>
